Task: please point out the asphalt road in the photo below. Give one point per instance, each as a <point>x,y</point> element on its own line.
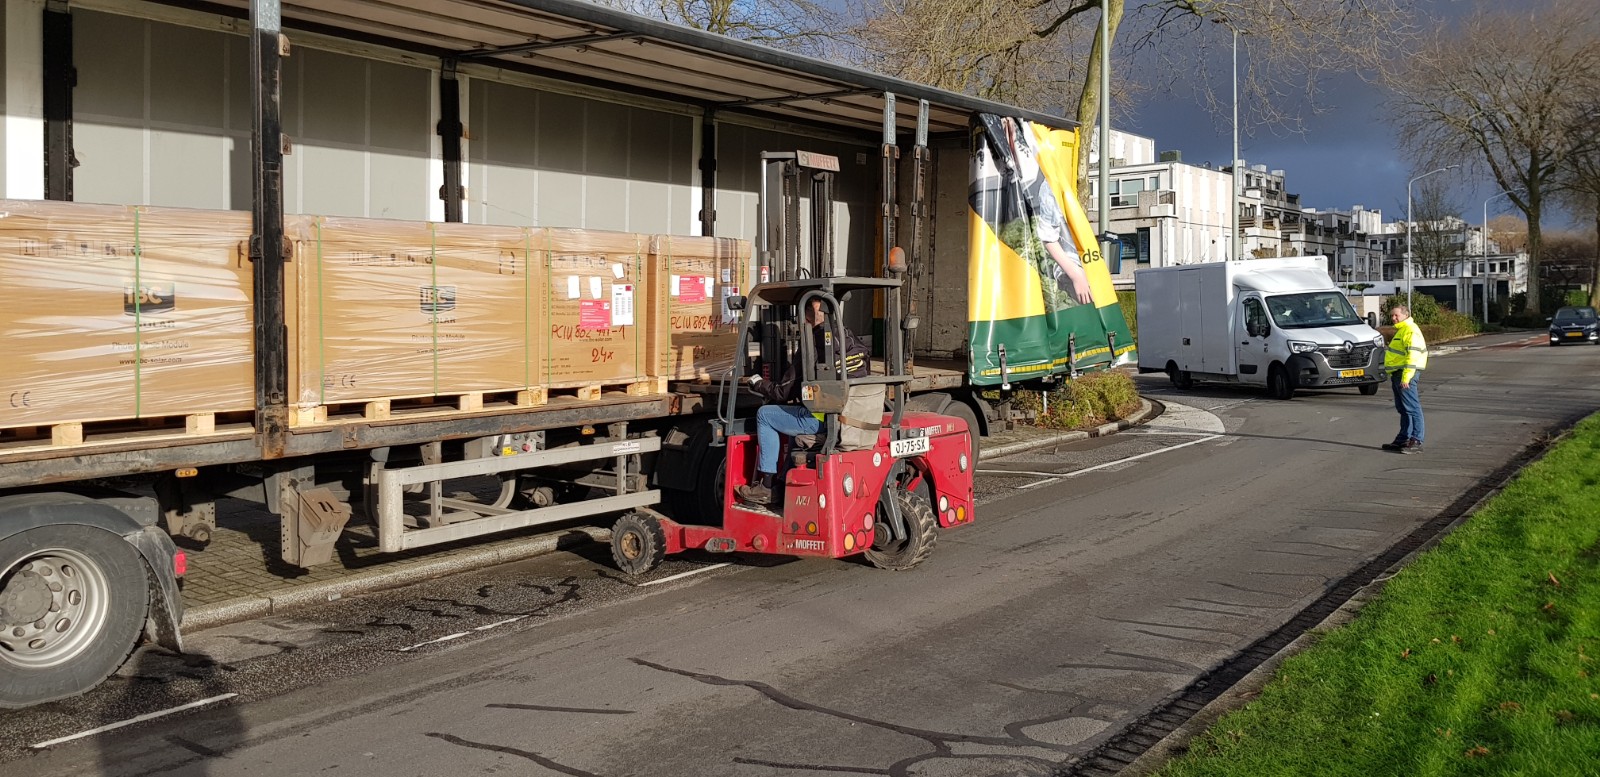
<point>1100,578</point>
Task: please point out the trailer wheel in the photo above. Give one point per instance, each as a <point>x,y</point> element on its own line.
<point>963,411</point>
<point>1279,384</point>
<point>73,601</point>
<point>638,543</point>
<point>1368,389</point>
<point>922,528</point>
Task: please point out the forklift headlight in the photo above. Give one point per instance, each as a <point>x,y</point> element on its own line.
<point>963,462</point>
<point>849,485</point>
<point>944,503</point>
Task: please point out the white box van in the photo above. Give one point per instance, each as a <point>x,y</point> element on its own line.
<point>1278,323</point>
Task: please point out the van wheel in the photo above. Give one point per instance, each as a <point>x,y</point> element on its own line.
<point>1279,384</point>
<point>1180,378</point>
<point>1368,389</point>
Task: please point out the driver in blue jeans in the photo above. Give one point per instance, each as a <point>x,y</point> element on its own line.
<point>783,415</point>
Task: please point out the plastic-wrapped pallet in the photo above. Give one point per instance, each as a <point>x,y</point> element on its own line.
<point>696,330</point>
<point>403,310</point>
<point>117,312</point>
<point>597,330</point>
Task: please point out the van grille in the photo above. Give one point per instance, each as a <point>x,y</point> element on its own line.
<point>1338,359</point>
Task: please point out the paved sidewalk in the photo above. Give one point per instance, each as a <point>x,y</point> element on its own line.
<point>239,574</point>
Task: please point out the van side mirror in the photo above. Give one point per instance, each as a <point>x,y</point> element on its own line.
<point>1372,320</point>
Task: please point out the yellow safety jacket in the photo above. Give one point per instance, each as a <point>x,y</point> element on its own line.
<point>1407,351</point>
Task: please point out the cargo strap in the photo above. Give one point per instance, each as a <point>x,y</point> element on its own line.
<point>138,319</point>
<point>865,426</point>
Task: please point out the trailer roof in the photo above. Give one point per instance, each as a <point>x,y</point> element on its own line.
<point>602,46</point>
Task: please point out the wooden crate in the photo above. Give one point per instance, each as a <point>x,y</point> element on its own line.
<point>387,311</point>
<point>597,328</point>
<point>117,314</point>
<point>695,333</point>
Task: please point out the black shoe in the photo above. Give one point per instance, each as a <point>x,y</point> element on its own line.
<point>1412,446</point>
<point>1394,446</point>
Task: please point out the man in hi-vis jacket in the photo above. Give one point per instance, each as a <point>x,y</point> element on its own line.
<point>1405,359</point>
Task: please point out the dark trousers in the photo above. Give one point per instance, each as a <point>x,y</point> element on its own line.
<point>1409,405</point>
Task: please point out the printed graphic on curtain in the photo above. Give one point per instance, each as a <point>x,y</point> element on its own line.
<point>1038,289</point>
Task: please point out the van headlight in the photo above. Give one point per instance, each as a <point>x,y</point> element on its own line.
<point>1378,341</point>
<point>1300,346</point>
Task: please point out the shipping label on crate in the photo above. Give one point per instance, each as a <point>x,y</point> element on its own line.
<point>697,336</point>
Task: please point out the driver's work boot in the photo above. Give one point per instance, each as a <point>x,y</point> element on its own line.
<point>758,493</point>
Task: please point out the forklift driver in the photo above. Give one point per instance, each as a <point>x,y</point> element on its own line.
<point>783,415</point>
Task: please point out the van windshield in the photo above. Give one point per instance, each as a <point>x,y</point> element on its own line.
<point>1311,309</point>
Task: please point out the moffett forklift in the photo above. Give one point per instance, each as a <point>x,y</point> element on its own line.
<point>874,481</point>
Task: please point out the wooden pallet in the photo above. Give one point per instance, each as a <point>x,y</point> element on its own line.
<point>645,387</point>
<point>417,407</point>
<point>178,428</point>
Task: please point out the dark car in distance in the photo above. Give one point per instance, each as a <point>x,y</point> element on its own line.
<point>1574,325</point>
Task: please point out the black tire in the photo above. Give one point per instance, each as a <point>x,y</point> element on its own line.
<point>1181,379</point>
<point>963,411</point>
<point>922,527</point>
<point>638,543</point>
<point>1279,384</point>
<point>90,589</point>
<point>1554,343</point>
<point>1368,389</point>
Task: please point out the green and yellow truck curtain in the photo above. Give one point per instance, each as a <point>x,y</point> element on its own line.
<point>1035,276</point>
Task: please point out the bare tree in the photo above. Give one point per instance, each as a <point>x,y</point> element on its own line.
<point>803,26</point>
<point>1579,177</point>
<point>1497,93</point>
<point>1438,231</point>
<point>1045,53</point>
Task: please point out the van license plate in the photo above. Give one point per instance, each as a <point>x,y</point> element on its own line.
<point>1351,373</point>
<point>910,446</point>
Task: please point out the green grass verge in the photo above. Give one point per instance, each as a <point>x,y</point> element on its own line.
<point>1480,658</point>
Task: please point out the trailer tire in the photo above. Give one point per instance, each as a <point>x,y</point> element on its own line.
<point>922,528</point>
<point>1279,383</point>
<point>964,411</point>
<point>89,587</point>
<point>1368,389</point>
<point>638,544</point>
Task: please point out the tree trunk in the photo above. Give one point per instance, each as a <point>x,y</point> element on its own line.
<point>1594,278</point>
<point>1089,98</point>
<point>1535,256</point>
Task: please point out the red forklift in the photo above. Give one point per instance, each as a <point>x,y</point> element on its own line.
<point>876,480</point>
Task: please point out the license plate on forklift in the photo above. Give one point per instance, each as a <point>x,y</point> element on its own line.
<point>910,446</point>
<point>1351,373</point>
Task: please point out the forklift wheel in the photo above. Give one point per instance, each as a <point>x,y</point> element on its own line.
<point>923,528</point>
<point>637,543</point>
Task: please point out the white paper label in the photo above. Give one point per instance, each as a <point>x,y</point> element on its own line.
<point>594,287</point>
<point>572,287</point>
<point>727,275</point>
<point>616,270</point>
<point>622,304</point>
<point>677,281</point>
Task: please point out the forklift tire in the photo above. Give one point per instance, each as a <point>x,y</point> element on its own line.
<point>637,544</point>
<point>922,527</point>
<point>1368,389</point>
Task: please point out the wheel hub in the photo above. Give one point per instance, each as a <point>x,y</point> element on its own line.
<point>51,608</point>
<point>631,546</point>
<point>26,598</point>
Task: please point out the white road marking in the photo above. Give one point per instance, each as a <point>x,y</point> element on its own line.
<point>1054,476</point>
<point>487,626</point>
<point>130,721</point>
<point>445,638</point>
<point>681,575</point>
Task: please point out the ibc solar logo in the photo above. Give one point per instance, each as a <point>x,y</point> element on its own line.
<point>148,299</point>
<point>434,300</point>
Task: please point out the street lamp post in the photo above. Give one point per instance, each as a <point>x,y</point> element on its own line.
<point>1238,240</point>
<point>1485,251</point>
<point>1410,282</point>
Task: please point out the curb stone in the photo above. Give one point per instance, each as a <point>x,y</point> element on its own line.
<point>1147,411</point>
<point>274,603</point>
